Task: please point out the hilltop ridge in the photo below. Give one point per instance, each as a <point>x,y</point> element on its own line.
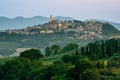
<point>80,29</point>
<point>20,22</point>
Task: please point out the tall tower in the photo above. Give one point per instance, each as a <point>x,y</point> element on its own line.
<point>51,18</point>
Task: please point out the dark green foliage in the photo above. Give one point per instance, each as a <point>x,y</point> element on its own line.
<point>90,74</point>
<point>100,64</point>
<point>83,65</point>
<point>53,50</point>
<point>36,75</point>
<point>111,47</point>
<point>57,69</point>
<point>70,46</point>
<point>48,51</point>
<point>71,73</point>
<point>77,73</point>
<point>101,49</point>
<point>66,58</point>
<point>56,49</point>
<point>83,51</point>
<point>16,69</point>
<point>58,62</point>
<point>37,64</point>
<point>95,50</point>
<point>114,61</point>
<point>73,59</point>
<point>31,54</point>
<point>48,72</point>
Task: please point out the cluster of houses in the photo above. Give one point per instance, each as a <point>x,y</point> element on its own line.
<point>84,30</point>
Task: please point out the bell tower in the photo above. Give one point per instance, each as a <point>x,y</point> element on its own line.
<point>51,18</point>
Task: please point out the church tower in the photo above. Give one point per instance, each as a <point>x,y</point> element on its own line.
<point>51,18</point>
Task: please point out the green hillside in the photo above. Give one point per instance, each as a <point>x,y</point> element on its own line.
<point>85,63</point>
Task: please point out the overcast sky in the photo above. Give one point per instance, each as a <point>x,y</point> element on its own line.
<point>78,9</point>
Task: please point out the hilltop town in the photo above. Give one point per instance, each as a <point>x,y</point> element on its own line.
<point>83,30</point>
<point>87,29</point>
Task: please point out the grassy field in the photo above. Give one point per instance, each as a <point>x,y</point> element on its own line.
<point>48,61</point>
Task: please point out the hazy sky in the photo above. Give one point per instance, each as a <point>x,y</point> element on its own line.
<point>78,9</point>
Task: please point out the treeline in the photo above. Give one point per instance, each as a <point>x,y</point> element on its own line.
<point>73,66</point>
<point>95,50</point>
<point>101,49</point>
<point>56,49</point>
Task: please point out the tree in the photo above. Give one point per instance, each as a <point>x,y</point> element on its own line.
<point>47,72</point>
<point>66,58</point>
<point>90,74</point>
<point>70,46</point>
<point>81,66</point>
<point>55,69</point>
<point>83,51</point>
<point>103,49</point>
<point>31,54</point>
<point>64,49</point>
<point>71,73</point>
<point>87,51</point>
<point>95,50</point>
<point>116,45</point>
<point>56,49</point>
<point>37,75</point>
<point>114,61</point>
<point>48,51</point>
<point>100,64</point>
<point>111,47</point>
<point>37,64</point>
<point>73,58</point>
<point>16,69</point>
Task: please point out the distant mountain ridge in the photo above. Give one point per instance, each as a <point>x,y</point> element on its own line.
<point>21,22</point>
